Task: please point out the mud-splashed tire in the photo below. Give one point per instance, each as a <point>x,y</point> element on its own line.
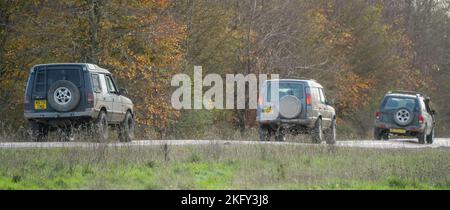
<point>280,136</point>
<point>101,128</point>
<point>38,132</point>
<point>317,132</point>
<point>377,134</point>
<point>126,129</point>
<point>330,136</point>
<point>385,136</point>
<point>380,134</point>
<point>264,133</point>
<point>430,138</point>
<point>423,136</point>
<point>66,134</point>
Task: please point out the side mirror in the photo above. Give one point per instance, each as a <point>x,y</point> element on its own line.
<point>123,91</point>
<point>330,102</point>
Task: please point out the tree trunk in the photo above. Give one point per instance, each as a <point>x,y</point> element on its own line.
<point>95,16</point>
<point>4,22</point>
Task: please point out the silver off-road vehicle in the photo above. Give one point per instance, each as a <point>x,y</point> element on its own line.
<point>72,95</point>
<point>405,113</point>
<point>295,107</point>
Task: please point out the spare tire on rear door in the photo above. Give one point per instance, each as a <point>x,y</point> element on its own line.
<point>63,96</point>
<point>290,107</point>
<point>403,117</point>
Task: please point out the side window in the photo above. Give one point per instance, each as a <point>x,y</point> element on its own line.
<point>103,83</point>
<point>96,83</point>
<point>322,96</point>
<point>422,104</point>
<point>110,84</point>
<point>315,95</point>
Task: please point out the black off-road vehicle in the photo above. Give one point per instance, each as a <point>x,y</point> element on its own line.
<point>405,113</point>
<point>72,95</point>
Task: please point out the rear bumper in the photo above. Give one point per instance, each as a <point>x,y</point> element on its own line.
<point>308,122</point>
<point>57,115</point>
<point>412,129</point>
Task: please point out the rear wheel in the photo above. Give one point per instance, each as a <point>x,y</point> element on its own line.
<point>101,128</point>
<point>126,129</point>
<point>38,131</point>
<point>380,134</point>
<point>66,133</point>
<point>385,135</point>
<point>264,134</point>
<point>377,134</point>
<point>317,132</point>
<point>280,136</point>
<point>423,136</point>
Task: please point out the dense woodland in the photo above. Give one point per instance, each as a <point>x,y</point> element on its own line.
<point>358,49</point>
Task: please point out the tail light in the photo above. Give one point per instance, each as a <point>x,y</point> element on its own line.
<point>308,99</point>
<point>260,100</point>
<point>378,115</point>
<point>421,119</point>
<point>90,99</point>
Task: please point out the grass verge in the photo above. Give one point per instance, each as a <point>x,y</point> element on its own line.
<point>224,167</point>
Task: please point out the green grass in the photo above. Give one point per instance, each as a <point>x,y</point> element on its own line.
<point>224,167</point>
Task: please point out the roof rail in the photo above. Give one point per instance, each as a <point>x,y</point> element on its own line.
<point>294,78</point>
<point>304,78</point>
<point>405,92</point>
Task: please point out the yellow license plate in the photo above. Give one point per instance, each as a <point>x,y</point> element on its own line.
<point>40,104</point>
<point>267,110</point>
<point>398,131</point>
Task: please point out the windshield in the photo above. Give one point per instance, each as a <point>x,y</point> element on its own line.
<point>285,89</point>
<point>393,103</point>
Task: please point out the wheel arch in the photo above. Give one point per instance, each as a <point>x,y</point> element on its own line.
<point>102,109</point>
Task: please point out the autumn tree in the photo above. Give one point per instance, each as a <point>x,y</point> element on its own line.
<point>137,40</point>
<point>358,49</point>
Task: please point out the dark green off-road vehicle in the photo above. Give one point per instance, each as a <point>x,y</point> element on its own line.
<point>405,113</point>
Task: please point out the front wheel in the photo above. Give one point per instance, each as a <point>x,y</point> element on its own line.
<point>330,136</point>
<point>126,130</point>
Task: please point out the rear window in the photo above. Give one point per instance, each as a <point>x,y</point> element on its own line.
<point>392,103</point>
<point>286,89</point>
<point>46,76</point>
